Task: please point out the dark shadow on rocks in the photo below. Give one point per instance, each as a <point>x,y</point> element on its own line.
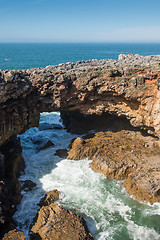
<point>77,123</point>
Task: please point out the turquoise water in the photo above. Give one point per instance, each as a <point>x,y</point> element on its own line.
<point>29,55</point>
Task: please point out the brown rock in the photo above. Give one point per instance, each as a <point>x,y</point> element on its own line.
<point>14,234</point>
<point>56,223</point>
<point>50,197</point>
<point>124,155</point>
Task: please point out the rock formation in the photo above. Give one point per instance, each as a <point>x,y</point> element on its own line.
<point>113,94</point>
<point>54,222</point>
<point>126,88</point>
<point>14,235</point>
<point>124,155</point>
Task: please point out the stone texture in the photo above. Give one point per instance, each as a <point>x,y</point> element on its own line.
<point>14,235</point>
<point>124,155</point>
<point>56,223</point>
<point>50,197</point>
<point>128,87</point>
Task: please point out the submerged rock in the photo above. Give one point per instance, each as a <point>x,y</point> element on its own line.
<point>62,153</point>
<point>14,235</point>
<point>28,185</point>
<point>47,145</point>
<point>124,155</point>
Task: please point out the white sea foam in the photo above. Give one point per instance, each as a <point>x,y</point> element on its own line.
<point>110,212</point>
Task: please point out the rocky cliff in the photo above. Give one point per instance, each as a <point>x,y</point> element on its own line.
<point>115,94</point>
<point>126,88</point>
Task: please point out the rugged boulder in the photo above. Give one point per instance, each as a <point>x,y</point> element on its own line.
<point>124,155</point>
<point>14,235</point>
<point>55,222</point>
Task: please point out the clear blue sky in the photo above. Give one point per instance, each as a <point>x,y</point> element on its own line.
<point>79,21</point>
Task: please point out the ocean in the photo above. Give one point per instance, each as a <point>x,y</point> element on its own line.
<point>32,55</point>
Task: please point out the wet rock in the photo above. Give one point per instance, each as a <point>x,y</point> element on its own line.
<point>124,155</point>
<point>28,185</point>
<point>56,223</point>
<point>47,145</point>
<point>14,235</point>
<point>50,197</point>
<point>62,153</point>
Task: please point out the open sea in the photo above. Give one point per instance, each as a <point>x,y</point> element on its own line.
<point>31,55</point>
<point>110,213</point>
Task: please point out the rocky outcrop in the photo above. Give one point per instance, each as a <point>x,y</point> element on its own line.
<point>127,88</point>
<point>14,235</point>
<point>121,93</point>
<point>55,222</point>
<point>127,156</point>
<point>10,188</point>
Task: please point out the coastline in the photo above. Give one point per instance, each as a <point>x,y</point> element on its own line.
<point>104,91</point>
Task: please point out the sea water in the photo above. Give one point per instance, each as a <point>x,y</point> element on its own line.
<point>31,55</point>
<point>110,213</point>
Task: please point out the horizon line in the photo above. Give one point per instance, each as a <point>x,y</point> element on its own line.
<point>81,42</point>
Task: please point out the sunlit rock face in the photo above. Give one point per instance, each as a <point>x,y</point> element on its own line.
<point>128,87</point>
<point>125,92</point>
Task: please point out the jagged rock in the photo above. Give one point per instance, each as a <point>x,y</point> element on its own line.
<point>86,88</point>
<point>14,235</point>
<point>62,153</point>
<point>128,87</point>
<point>50,197</point>
<point>125,155</point>
<point>10,188</point>
<point>56,223</point>
<point>28,185</point>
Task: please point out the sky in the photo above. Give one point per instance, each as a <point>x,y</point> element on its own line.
<point>80,21</point>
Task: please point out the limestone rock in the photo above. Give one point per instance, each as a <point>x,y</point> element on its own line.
<point>14,235</point>
<point>124,155</point>
<point>56,223</point>
<point>50,197</point>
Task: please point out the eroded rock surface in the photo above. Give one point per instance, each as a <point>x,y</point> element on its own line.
<point>54,222</point>
<point>124,155</point>
<point>128,87</point>
<point>14,235</point>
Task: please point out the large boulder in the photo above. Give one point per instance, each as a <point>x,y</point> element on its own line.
<point>56,223</point>
<point>124,155</point>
